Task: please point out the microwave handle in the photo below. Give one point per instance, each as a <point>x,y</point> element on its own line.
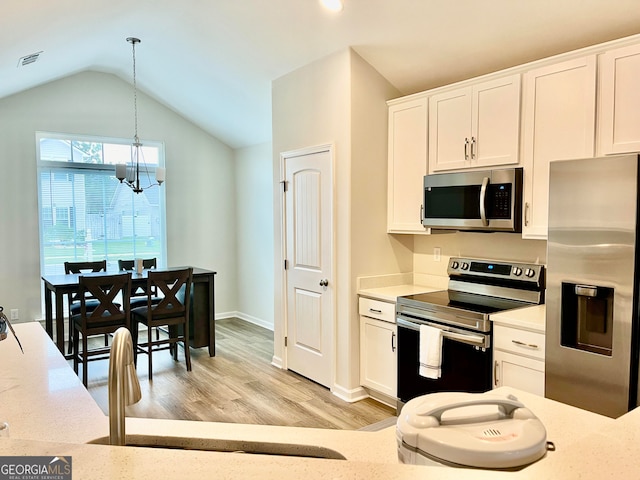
<point>483,194</point>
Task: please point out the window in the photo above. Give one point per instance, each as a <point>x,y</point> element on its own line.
<point>85,213</point>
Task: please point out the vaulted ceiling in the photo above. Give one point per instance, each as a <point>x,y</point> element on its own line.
<point>213,60</point>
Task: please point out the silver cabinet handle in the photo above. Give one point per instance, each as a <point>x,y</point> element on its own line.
<point>373,310</point>
<point>496,382</point>
<point>421,213</point>
<point>527,345</point>
<point>473,142</point>
<point>466,148</point>
<point>483,194</point>
<point>526,214</point>
<point>393,343</point>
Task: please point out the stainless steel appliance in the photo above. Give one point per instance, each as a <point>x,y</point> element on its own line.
<point>591,354</point>
<point>476,289</point>
<point>488,200</point>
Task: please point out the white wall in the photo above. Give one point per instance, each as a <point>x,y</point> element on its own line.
<point>494,246</point>
<point>200,186</point>
<point>340,100</point>
<point>254,190</point>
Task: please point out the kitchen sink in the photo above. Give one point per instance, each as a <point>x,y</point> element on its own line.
<point>221,445</point>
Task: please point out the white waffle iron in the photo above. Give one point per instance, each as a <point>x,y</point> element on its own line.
<point>481,430</point>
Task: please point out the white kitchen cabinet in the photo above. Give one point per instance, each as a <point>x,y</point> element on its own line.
<point>378,356</point>
<point>407,164</point>
<point>559,103</point>
<point>475,126</point>
<point>619,108</point>
<point>518,359</point>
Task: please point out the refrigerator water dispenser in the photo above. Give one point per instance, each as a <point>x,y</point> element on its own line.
<point>587,318</point>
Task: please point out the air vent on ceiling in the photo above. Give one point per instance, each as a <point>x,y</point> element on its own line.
<point>29,59</point>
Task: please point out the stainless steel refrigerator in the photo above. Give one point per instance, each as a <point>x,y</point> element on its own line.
<point>592,318</point>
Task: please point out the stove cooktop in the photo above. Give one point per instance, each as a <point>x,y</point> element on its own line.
<point>462,301</point>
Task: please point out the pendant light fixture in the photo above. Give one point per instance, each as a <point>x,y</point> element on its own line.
<point>130,174</point>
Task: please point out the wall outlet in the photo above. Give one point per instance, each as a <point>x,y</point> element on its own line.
<point>14,314</point>
<point>436,254</point>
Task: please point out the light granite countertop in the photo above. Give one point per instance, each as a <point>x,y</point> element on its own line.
<point>528,318</point>
<point>391,293</point>
<point>51,414</point>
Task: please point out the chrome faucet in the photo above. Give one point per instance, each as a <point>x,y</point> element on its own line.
<point>124,387</point>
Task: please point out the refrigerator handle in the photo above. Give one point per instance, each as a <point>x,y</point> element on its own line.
<point>483,194</point>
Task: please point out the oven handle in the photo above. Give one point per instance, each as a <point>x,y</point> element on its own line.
<point>475,340</point>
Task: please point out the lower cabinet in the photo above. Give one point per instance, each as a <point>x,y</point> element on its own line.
<point>518,359</point>
<point>378,353</point>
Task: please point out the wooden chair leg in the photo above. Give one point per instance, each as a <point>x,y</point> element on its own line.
<point>150,352</point>
<point>187,353</point>
<point>85,361</point>
<point>76,339</point>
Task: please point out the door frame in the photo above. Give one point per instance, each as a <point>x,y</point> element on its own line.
<point>330,148</point>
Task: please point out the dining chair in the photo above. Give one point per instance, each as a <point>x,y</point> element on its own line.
<point>74,300</point>
<point>138,296</point>
<point>107,316</point>
<point>172,311</point>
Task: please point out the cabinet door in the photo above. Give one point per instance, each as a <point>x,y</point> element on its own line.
<point>495,122</point>
<point>518,372</point>
<point>450,130</point>
<point>407,163</point>
<point>619,116</point>
<point>559,124</point>
<point>378,355</point>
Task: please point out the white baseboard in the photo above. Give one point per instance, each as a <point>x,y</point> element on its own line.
<point>277,362</point>
<point>352,395</point>
<point>246,318</point>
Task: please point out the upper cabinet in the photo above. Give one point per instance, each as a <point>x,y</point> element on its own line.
<point>407,165</point>
<point>559,103</point>
<point>475,126</point>
<point>619,109</point>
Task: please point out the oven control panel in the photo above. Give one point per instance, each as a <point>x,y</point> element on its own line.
<point>528,272</point>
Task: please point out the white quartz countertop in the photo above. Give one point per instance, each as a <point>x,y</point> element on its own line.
<point>391,293</point>
<point>529,318</point>
<point>51,414</point>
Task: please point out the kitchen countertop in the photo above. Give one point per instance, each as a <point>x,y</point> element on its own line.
<point>50,413</point>
<point>529,318</point>
<point>390,293</point>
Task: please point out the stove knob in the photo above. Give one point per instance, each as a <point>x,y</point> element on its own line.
<point>529,272</point>
<point>465,266</point>
<point>454,265</point>
<point>517,271</point>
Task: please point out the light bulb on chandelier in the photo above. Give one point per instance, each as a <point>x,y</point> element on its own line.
<point>130,174</point>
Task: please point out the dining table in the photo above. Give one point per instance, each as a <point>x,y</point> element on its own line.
<point>202,310</point>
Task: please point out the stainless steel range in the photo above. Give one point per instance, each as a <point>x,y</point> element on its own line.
<point>477,288</point>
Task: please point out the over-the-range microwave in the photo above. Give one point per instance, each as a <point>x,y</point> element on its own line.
<point>488,200</point>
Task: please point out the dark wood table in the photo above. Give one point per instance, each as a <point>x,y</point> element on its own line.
<point>202,317</point>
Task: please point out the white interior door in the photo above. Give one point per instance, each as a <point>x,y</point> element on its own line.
<point>309,259</point>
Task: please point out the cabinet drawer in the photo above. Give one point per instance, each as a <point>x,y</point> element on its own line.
<point>377,309</point>
<point>520,342</point>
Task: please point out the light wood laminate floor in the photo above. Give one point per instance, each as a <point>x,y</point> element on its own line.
<point>238,385</point>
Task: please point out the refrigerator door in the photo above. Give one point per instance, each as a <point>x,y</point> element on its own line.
<point>591,259</point>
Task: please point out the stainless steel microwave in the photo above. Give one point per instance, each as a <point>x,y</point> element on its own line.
<point>488,200</point>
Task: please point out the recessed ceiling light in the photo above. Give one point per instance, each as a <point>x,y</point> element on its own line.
<point>333,5</point>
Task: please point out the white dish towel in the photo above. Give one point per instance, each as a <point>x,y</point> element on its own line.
<point>430,352</point>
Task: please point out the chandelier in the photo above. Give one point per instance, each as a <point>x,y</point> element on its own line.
<point>130,174</point>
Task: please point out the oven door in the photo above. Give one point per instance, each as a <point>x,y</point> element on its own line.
<point>466,361</point>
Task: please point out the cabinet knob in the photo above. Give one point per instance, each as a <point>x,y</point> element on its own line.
<point>324,282</point>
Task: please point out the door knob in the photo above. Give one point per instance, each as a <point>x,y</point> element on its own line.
<point>324,282</point>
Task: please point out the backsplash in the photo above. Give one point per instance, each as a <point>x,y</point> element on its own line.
<point>493,246</point>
